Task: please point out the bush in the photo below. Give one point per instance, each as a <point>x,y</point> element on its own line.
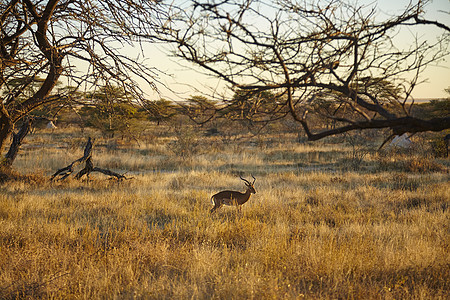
<point>439,147</point>
<point>186,143</point>
<point>418,164</point>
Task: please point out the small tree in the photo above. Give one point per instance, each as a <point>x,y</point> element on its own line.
<point>109,110</point>
<point>159,111</point>
<point>199,109</point>
<point>252,105</point>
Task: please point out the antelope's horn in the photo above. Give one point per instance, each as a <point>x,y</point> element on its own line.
<point>254,179</point>
<point>244,180</point>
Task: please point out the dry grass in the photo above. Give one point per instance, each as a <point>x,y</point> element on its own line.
<point>315,228</point>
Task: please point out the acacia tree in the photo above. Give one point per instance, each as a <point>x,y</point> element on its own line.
<point>80,41</point>
<point>109,109</point>
<point>308,51</point>
<point>258,106</point>
<point>199,109</point>
<point>160,110</point>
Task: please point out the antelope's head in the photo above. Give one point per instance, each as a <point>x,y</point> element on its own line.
<point>249,185</point>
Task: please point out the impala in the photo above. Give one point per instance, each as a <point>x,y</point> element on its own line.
<point>233,197</point>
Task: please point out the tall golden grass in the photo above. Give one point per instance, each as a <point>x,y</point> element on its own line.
<point>315,228</point>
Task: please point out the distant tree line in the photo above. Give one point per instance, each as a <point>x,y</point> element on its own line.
<point>110,110</point>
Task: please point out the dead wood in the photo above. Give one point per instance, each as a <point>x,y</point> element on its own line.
<point>88,168</point>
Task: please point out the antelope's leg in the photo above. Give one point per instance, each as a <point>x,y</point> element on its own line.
<point>216,205</point>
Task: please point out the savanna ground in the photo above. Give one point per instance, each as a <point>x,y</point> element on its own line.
<point>330,220</point>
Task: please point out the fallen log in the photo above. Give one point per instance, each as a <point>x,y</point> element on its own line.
<point>88,168</point>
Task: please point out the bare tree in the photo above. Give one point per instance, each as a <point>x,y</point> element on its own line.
<point>308,52</point>
<point>80,41</point>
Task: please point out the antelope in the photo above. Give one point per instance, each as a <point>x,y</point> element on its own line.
<point>233,197</point>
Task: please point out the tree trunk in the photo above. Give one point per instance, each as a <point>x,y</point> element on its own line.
<point>6,126</point>
<point>16,142</point>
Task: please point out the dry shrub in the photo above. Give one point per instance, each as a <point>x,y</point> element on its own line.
<point>186,144</point>
<point>407,162</point>
<point>422,165</point>
<point>439,147</point>
<point>10,175</point>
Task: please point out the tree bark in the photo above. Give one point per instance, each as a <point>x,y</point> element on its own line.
<point>6,126</point>
<point>16,142</point>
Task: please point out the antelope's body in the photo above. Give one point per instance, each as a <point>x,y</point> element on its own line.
<point>233,198</point>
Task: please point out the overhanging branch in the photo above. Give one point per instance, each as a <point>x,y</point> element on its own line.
<point>399,126</point>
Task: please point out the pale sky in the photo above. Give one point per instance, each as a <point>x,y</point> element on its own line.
<point>437,76</point>
<point>186,76</point>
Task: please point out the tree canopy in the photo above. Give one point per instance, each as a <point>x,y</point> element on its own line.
<point>305,51</point>
<point>83,42</point>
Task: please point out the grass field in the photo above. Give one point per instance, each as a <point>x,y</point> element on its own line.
<point>328,221</point>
